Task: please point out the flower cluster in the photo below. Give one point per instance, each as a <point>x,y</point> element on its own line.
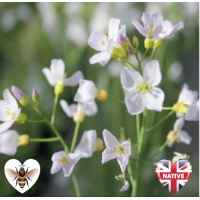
<point>141,93</point>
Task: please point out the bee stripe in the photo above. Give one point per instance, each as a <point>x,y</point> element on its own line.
<point>22,182</point>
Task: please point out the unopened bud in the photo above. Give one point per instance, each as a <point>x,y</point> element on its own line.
<point>131,50</point>
<point>102,95</point>
<point>99,144</point>
<point>35,96</point>
<point>135,41</point>
<point>121,39</point>
<point>23,140</point>
<point>157,43</point>
<point>21,119</point>
<point>148,44</point>
<point>59,87</point>
<point>25,100</point>
<point>17,93</point>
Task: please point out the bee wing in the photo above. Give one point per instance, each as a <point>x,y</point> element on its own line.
<point>32,173</point>
<point>11,173</point>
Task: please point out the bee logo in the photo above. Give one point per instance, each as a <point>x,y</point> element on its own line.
<point>22,176</point>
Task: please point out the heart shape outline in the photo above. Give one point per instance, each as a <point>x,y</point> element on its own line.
<point>173,176</point>
<point>13,164</point>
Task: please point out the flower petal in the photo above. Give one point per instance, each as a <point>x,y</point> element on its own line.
<point>86,92</point>
<point>154,99</point>
<point>87,145</point>
<point>123,162</point>
<point>193,112</point>
<point>147,19</point>
<point>56,166</point>
<point>177,27</point>
<point>58,68</point>
<point>113,28</point>
<point>127,147</point>
<point>108,154</point>
<point>167,28</point>
<point>10,100</point>
<point>3,109</point>
<point>178,125</point>
<point>130,79</point>
<point>152,73</point>
<point>135,102</point>
<point>50,77</point>
<point>110,140</point>
<point>184,137</point>
<point>57,156</point>
<point>6,125</point>
<point>125,187</point>
<point>68,109</point>
<point>102,57</point>
<point>90,109</point>
<point>96,41</point>
<point>139,27</point>
<point>157,19</point>
<point>122,30</point>
<point>74,79</point>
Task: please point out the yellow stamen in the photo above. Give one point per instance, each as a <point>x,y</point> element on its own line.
<point>144,87</point>
<point>148,27</point>
<point>172,136</point>
<point>8,112</point>
<point>103,43</point>
<point>64,160</point>
<point>181,108</point>
<point>119,149</point>
<point>154,28</point>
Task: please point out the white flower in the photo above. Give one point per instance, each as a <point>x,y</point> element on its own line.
<point>116,150</point>
<point>56,74</point>
<point>178,134</point>
<point>87,145</point>
<point>64,162</point>
<point>9,111</point>
<point>125,187</point>
<point>9,142</point>
<point>179,156</point>
<point>186,99</point>
<point>193,112</point>
<point>80,110</point>
<point>155,27</point>
<point>140,92</point>
<point>87,92</point>
<point>101,42</point>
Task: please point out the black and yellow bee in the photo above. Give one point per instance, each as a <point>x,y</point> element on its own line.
<point>22,176</point>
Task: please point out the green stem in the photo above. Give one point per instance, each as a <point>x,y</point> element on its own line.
<point>44,139</point>
<point>144,55</point>
<point>143,161</point>
<point>139,152</point>
<point>152,53</point>
<point>159,150</point>
<point>138,126</point>
<point>75,136</point>
<point>169,108</point>
<point>78,194</point>
<point>129,65</point>
<point>130,173</point>
<point>54,109</point>
<point>162,120</point>
<point>35,121</point>
<point>134,145</point>
<point>119,101</point>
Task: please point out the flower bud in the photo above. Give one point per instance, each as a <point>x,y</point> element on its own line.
<point>35,96</point>
<point>131,50</point>
<point>20,96</point>
<point>21,119</point>
<point>79,117</point>
<point>135,41</point>
<point>59,87</point>
<point>23,140</point>
<point>157,43</point>
<point>121,39</point>
<point>148,44</point>
<point>102,95</point>
<point>118,53</point>
<point>99,144</point>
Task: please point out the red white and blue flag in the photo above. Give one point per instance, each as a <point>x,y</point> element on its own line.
<point>173,176</point>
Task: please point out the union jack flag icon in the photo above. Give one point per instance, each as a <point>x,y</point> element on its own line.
<point>173,176</point>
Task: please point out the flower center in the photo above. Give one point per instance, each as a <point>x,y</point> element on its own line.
<point>104,42</point>
<point>64,160</point>
<point>9,113</point>
<point>181,108</point>
<point>119,149</point>
<point>144,87</point>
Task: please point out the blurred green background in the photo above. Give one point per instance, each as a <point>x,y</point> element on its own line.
<point>31,34</point>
